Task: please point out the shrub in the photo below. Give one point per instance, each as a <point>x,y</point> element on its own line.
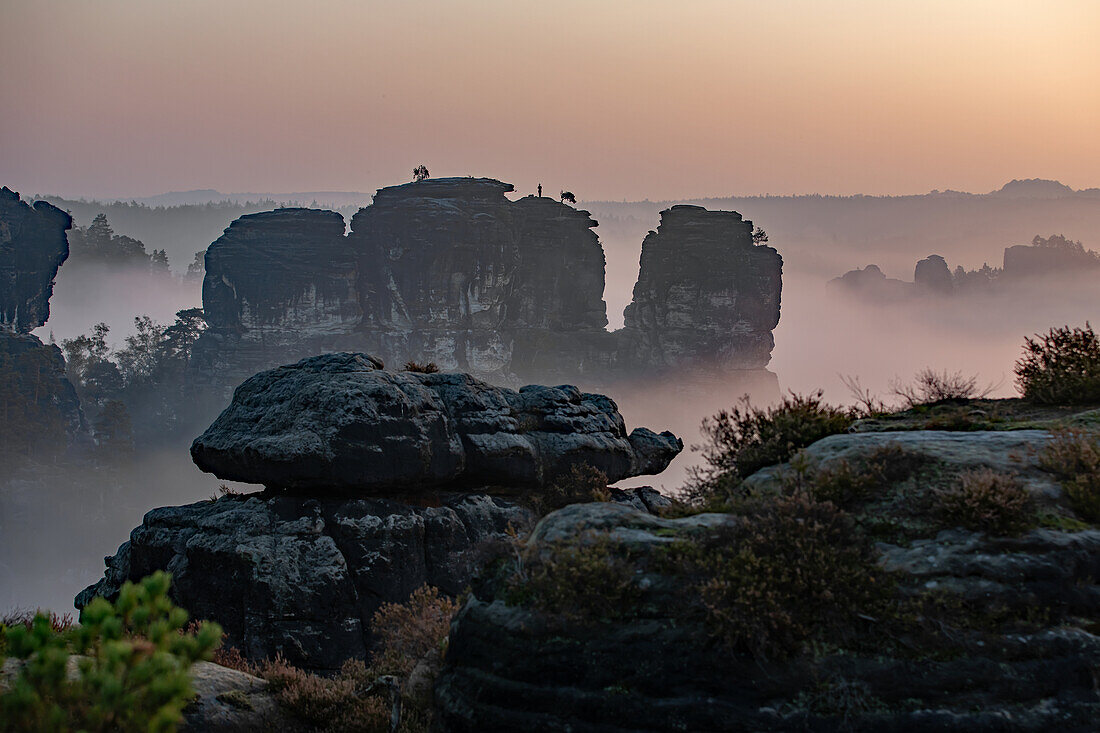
<point>988,501</point>
<point>744,439</point>
<point>407,631</point>
<point>1061,367</point>
<point>369,697</point>
<point>428,367</point>
<point>132,673</point>
<point>792,569</point>
<point>590,580</point>
<point>1074,457</point>
<point>930,387</point>
<point>582,484</point>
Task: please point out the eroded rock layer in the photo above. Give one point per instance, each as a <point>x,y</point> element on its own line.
<point>338,423</point>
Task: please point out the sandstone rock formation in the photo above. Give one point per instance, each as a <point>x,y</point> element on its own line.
<point>706,296</point>
<point>302,577</point>
<point>40,402</point>
<point>1007,642</point>
<point>299,570</point>
<point>32,247</point>
<point>933,274</point>
<point>451,271</point>
<point>338,423</point>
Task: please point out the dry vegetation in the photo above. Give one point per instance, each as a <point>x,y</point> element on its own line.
<point>366,697</point>
<point>987,501</point>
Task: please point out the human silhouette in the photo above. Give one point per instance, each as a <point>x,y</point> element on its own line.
<point>540,190</point>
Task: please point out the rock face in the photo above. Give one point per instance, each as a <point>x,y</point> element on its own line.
<point>511,667</point>
<point>451,271</point>
<point>706,295</point>
<point>37,387</point>
<point>338,423</point>
<point>32,246</point>
<point>303,577</point>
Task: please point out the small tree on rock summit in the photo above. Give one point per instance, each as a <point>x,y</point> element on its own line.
<point>420,172</point>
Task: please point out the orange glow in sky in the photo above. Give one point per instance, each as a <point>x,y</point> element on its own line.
<point>629,99</point>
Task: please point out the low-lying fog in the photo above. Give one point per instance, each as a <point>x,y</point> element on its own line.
<point>821,337</point>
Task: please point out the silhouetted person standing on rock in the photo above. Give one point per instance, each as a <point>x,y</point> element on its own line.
<point>540,190</point>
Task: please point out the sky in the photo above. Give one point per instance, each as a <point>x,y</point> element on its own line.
<point>632,99</point>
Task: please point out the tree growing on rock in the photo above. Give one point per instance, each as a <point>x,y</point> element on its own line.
<point>759,236</point>
<point>420,173</point>
<point>567,196</point>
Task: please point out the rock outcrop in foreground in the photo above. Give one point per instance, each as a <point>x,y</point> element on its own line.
<point>379,482</point>
<point>967,630</point>
<point>451,271</point>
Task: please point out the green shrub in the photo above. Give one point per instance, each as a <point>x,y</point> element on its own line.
<point>1061,367</point>
<point>1073,456</point>
<point>987,501</point>
<point>744,439</point>
<point>132,668</point>
<point>792,570</point>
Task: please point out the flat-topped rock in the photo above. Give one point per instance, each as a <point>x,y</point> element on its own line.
<point>339,423</point>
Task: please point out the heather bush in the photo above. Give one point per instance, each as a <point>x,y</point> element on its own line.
<point>586,580</point>
<point>428,367</point>
<point>407,631</point>
<point>1074,457</point>
<point>744,439</point>
<point>369,697</point>
<point>987,501</point>
<point>793,569</point>
<point>1061,367</point>
<point>132,667</point>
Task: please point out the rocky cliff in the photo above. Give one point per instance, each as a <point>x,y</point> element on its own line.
<point>706,296</point>
<point>452,271</point>
<point>32,246</point>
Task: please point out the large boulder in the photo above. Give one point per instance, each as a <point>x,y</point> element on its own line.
<point>33,245</point>
<point>302,577</point>
<point>339,423</point>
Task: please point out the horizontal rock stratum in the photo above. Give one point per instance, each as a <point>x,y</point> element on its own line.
<point>339,423</point>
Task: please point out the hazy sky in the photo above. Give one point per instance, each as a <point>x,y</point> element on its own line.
<point>627,99</point>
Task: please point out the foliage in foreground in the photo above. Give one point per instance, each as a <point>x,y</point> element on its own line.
<point>794,569</point>
<point>381,696</point>
<point>744,439</point>
<point>984,500</point>
<point>1061,367</point>
<point>132,670</point>
<point>1074,457</point>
